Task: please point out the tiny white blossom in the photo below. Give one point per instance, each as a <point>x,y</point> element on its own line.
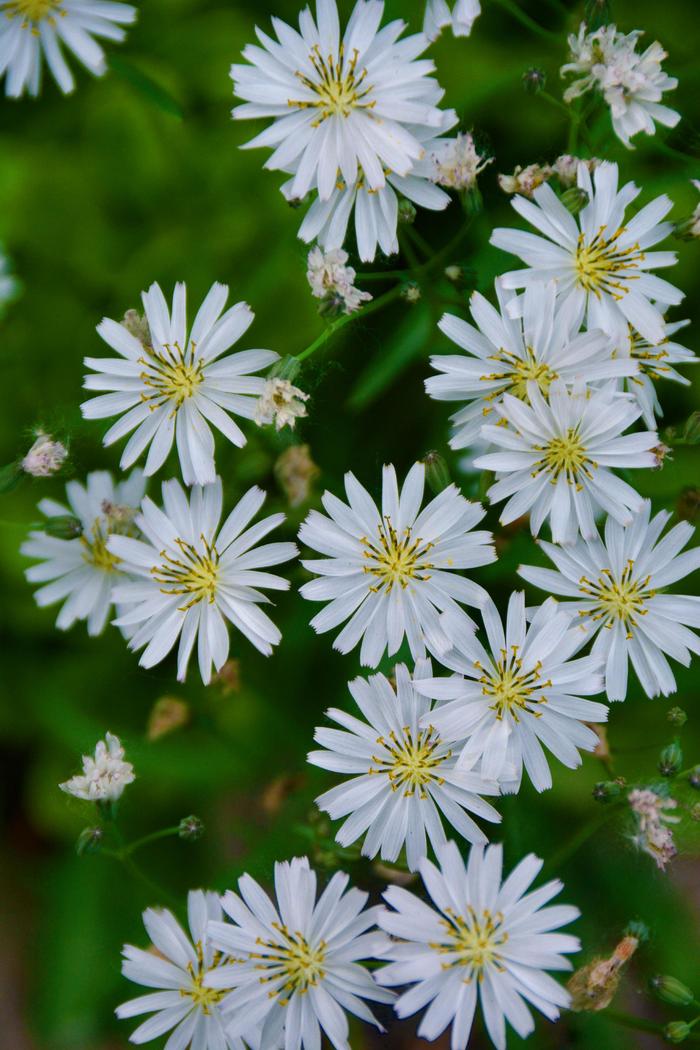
<point>32,31</point>
<point>296,964</point>
<point>525,180</point>
<point>280,403</point>
<point>632,84</point>
<point>482,940</point>
<point>391,572</point>
<point>403,774</point>
<point>192,575</point>
<point>460,19</point>
<point>554,458</point>
<point>105,774</point>
<point>615,588</point>
<point>177,386</point>
<point>654,836</point>
<point>520,697</point>
<point>332,279</point>
<point>82,570</point>
<point>45,457</point>
<point>503,354</point>
<point>599,258</point>
<point>457,162</point>
<point>565,168</point>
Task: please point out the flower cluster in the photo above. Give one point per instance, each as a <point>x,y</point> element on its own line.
<point>653,835</point>
<point>104,776</point>
<point>333,281</point>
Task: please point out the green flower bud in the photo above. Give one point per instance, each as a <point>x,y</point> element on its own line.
<point>411,292</point>
<point>677,716</point>
<point>671,990</point>
<point>676,1032</point>
<point>534,80</point>
<point>191,828</point>
<point>63,527</point>
<point>407,212</point>
<point>89,841</point>
<point>574,199</point>
<point>606,790</point>
<point>436,472</point>
<point>671,760</point>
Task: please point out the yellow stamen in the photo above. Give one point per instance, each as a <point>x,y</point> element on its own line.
<point>510,689</point>
<point>475,941</point>
<point>339,87</point>
<point>32,11</point>
<point>622,599</point>
<point>412,761</point>
<point>602,266</point>
<point>173,375</point>
<point>395,559</point>
<point>293,958</point>
<point>195,574</point>
<point>564,455</point>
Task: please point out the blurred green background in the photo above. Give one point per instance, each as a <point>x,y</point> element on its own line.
<point>120,185</point>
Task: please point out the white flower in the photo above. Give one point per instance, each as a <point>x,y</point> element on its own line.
<point>461,19</point>
<point>280,403</point>
<point>192,576</point>
<point>616,588</point>
<point>598,258</point>
<point>172,389</point>
<point>391,572</point>
<point>632,84</point>
<point>104,776</point>
<point>565,168</point>
<point>503,354</point>
<point>653,833</point>
<point>82,570</point>
<point>655,361</point>
<point>520,696</point>
<point>525,180</point>
<point>34,30</point>
<point>45,457</point>
<point>403,774</point>
<point>183,1005</point>
<point>555,456</point>
<point>377,211</point>
<point>296,964</point>
<point>332,279</point>
<point>483,939</point>
<point>341,108</point>
<point>456,162</point>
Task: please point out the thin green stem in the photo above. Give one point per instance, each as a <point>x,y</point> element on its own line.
<point>640,1024</point>
<point>558,104</point>
<point>140,876</point>
<point>145,840</point>
<point>420,241</point>
<point>512,8</point>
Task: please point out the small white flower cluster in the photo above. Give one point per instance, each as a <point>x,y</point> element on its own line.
<point>526,180</point>
<point>457,162</point>
<point>45,457</point>
<point>633,84</point>
<point>460,19</point>
<point>654,835</point>
<point>333,281</point>
<point>280,404</point>
<point>104,776</point>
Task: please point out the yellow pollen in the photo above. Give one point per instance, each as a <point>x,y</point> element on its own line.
<point>602,266</point>
<point>475,941</point>
<point>650,357</point>
<point>564,455</point>
<point>622,599</point>
<point>202,997</point>
<point>413,760</point>
<point>395,559</point>
<point>338,86</point>
<point>96,552</point>
<point>32,10</point>
<point>195,574</point>
<point>519,372</point>
<point>512,690</point>
<point>292,958</point>
<point>172,375</point>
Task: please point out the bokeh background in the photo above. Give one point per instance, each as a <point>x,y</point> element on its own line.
<point>138,177</point>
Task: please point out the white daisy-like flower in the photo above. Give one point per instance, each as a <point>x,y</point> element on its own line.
<point>616,587</point>
<point>460,19</point>
<point>632,84</point>
<point>296,964</point>
<point>376,212</point>
<point>554,458</point>
<point>175,386</point>
<point>403,772</point>
<point>177,966</point>
<point>503,354</point>
<point>105,774</point>
<point>520,697</point>
<point>392,572</point>
<point>82,570</point>
<point>655,362</point>
<point>191,576</point>
<point>280,403</point>
<point>34,30</point>
<point>598,258</point>
<point>483,939</point>
<point>45,457</point>
<point>331,279</point>
<point>341,106</point>
<point>457,162</point>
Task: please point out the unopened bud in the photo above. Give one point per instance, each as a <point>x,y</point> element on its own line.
<point>677,716</point>
<point>670,760</point>
<point>407,212</point>
<point>677,1032</point>
<point>191,828</point>
<point>694,778</point>
<point>436,472</point>
<point>411,292</point>
<point>168,714</point>
<point>606,790</point>
<point>288,367</point>
<point>688,229</point>
<point>89,841</point>
<point>461,276</point>
<point>534,80</point>
<point>671,990</point>
<point>64,527</point>
<point>574,199</point>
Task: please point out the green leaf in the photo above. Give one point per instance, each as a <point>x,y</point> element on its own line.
<point>156,94</point>
<point>407,344</point>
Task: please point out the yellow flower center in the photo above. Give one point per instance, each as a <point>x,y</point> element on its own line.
<point>203,998</point>
<point>96,552</point>
<point>621,599</point>
<point>650,357</point>
<point>511,689</point>
<point>476,941</point>
<point>194,574</point>
<point>601,264</point>
<point>293,958</point>
<point>395,559</point>
<point>339,87</point>
<point>32,10</point>
<point>519,372</point>
<point>171,375</point>
<point>412,761</point>
<point>564,455</point>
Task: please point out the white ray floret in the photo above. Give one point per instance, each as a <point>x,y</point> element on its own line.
<point>554,458</point>
<point>81,571</point>
<point>34,31</point>
<point>600,258</point>
<point>480,940</point>
<point>296,962</point>
<point>403,779</point>
<point>391,572</point>
<point>192,576</point>
<point>460,19</point>
<point>656,362</point>
<point>503,354</point>
<point>519,697</point>
<point>176,386</point>
<point>616,586</point>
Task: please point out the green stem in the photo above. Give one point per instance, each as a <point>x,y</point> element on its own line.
<point>525,20</point>
<point>153,887</point>
<point>420,241</point>
<point>384,275</point>
<point>164,833</point>
<point>558,104</point>
<point>630,1021</point>
<point>580,837</point>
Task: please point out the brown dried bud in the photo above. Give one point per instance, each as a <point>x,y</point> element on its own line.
<point>168,714</point>
<point>593,987</point>
<point>295,471</point>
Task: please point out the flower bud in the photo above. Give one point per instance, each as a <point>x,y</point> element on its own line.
<point>191,828</point>
<point>411,292</point>
<point>461,276</point>
<point>606,790</point>
<point>63,527</point>
<point>676,1032</point>
<point>89,841</point>
<point>288,367</point>
<point>671,760</point>
<point>694,778</point>
<point>45,457</point>
<point>677,716</point>
<point>407,212</point>
<point>534,80</point>
<point>436,472</point>
<point>671,990</point>
<point>574,199</point>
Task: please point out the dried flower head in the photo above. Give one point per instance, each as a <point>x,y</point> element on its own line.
<point>593,987</point>
<point>295,471</point>
<point>280,403</point>
<point>45,457</point>
<point>653,834</point>
<point>333,281</point>
<point>457,162</point>
<point>525,180</point>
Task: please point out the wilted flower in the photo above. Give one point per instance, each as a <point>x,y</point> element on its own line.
<point>653,834</point>
<point>295,470</point>
<point>104,776</point>
<point>593,987</point>
<point>457,162</point>
<point>333,281</point>
<point>280,403</point>
<point>525,180</point>
<point>45,457</point>
<point>565,167</point>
